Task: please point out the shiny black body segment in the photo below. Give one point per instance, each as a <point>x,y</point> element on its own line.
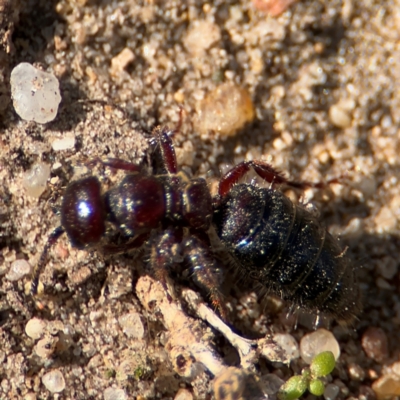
<point>285,250</point>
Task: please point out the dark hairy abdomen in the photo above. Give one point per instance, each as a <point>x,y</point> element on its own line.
<point>287,250</point>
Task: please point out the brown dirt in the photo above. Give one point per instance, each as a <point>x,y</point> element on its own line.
<point>296,66</point>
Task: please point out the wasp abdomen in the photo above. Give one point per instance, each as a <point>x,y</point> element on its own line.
<point>286,250</point>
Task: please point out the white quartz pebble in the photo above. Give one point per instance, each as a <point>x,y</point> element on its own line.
<point>35,93</point>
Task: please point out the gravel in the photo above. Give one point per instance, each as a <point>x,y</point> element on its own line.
<point>132,325</point>
<point>54,381</point>
<point>289,345</point>
<point>375,344</point>
<point>316,342</point>
<point>331,391</point>
<point>35,328</point>
<point>36,94</point>
<point>35,179</point>
<point>19,268</point>
<point>65,143</point>
<point>114,394</point>
<point>323,79</point>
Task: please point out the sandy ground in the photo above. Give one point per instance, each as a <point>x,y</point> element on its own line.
<point>299,68</point>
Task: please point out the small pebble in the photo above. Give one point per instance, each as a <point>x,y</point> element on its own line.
<point>317,342</point>
<point>225,110</point>
<point>35,93</point>
<point>201,36</point>
<point>5,385</point>
<point>63,144</point>
<point>132,325</point>
<point>45,347</point>
<point>331,391</point>
<point>387,267</point>
<point>387,386</point>
<point>289,346</point>
<point>35,328</point>
<point>283,348</point>
<point>35,179</point>
<point>273,7</point>
<point>375,344</point>
<point>383,284</point>
<point>121,61</point>
<point>96,315</point>
<point>396,368</point>
<point>19,268</point>
<point>356,372</point>
<point>386,221</point>
<point>54,381</point>
<point>271,384</point>
<point>340,116</point>
<point>119,283</point>
<point>115,394</point>
<point>183,394</point>
<point>81,275</point>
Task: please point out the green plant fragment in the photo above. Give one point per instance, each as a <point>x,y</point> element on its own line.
<point>316,387</point>
<point>322,364</point>
<point>293,388</point>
